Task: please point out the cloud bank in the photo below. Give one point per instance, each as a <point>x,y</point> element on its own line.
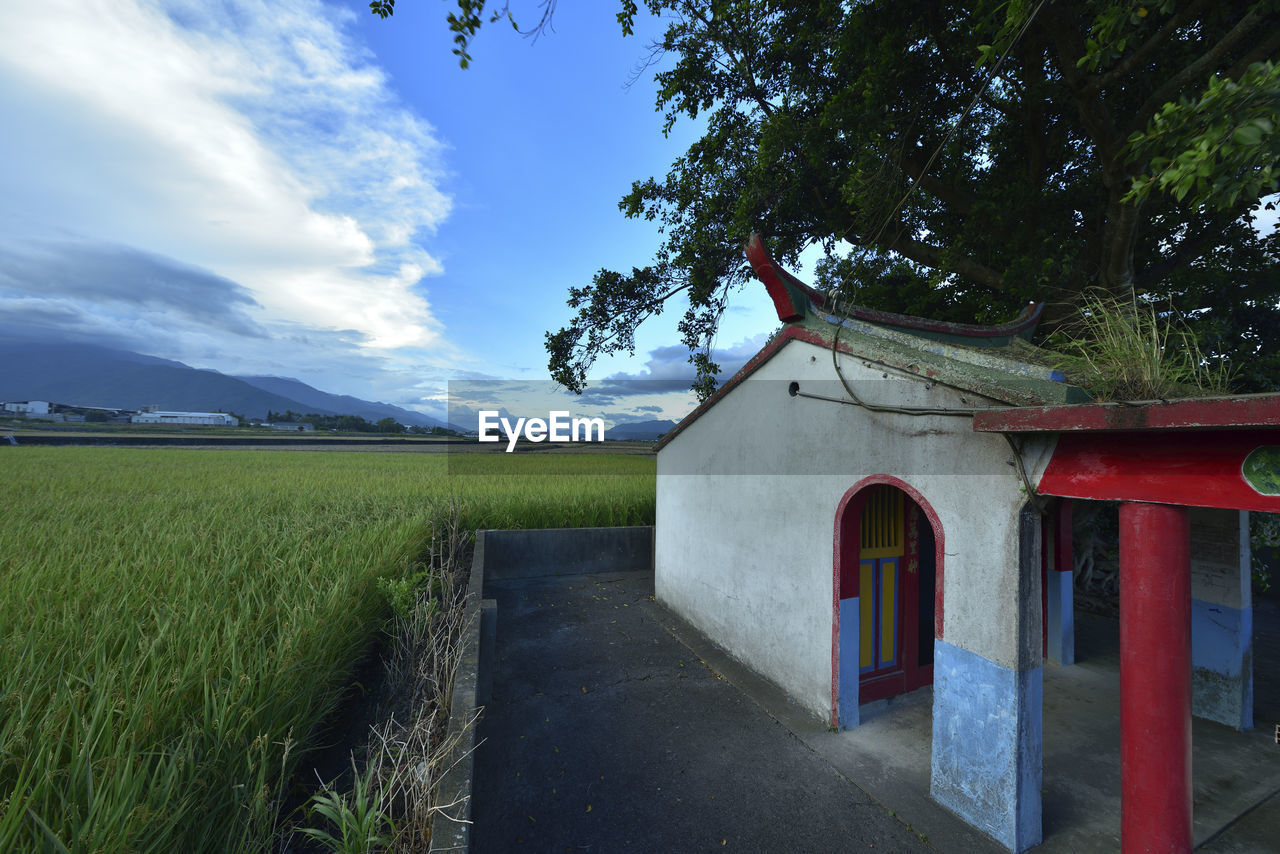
<point>213,177</point>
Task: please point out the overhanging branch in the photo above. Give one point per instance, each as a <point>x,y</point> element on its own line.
<point>934,257</point>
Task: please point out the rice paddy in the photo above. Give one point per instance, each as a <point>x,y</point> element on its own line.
<point>174,624</point>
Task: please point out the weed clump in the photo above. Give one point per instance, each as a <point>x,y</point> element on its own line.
<point>1125,350</point>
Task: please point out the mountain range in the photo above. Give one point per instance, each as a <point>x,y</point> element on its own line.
<point>92,375</point>
<point>640,431</point>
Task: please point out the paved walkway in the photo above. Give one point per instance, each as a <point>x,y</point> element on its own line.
<point>606,734</point>
<point>616,727</point>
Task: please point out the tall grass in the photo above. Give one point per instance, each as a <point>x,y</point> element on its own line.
<point>175,623</point>
<point>1122,350</point>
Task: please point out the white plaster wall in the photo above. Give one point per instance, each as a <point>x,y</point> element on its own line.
<point>1220,556</point>
<point>747,497</point>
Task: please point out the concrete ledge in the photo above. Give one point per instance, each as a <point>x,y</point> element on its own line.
<point>566,551</point>
<point>869,756</point>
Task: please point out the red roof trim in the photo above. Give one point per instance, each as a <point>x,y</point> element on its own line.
<point>1236,412</point>
<point>784,289</point>
<point>776,281</point>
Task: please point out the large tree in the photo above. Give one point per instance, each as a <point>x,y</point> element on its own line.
<point>956,159</point>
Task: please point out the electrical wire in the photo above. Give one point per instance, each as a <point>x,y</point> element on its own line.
<point>835,311</point>
<point>995,69</point>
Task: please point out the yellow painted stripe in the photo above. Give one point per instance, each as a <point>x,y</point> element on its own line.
<point>883,529</point>
<point>888,613</point>
<point>866,616</point>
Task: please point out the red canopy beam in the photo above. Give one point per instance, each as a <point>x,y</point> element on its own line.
<point>1159,459</point>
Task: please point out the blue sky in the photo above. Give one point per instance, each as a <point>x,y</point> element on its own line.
<point>299,188</point>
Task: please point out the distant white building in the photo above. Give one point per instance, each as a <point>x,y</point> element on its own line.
<point>28,407</point>
<point>213,419</point>
<point>303,427</point>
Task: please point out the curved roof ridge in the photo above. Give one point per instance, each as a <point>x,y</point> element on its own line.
<point>794,301</point>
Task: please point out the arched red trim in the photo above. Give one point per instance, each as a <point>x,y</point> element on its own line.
<point>850,507</point>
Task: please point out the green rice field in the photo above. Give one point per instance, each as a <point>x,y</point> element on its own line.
<point>175,623</point>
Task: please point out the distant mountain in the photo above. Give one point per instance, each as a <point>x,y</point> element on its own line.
<point>640,431</point>
<point>322,402</point>
<point>92,375</point>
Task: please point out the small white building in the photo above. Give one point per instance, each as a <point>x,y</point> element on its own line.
<point>816,541</point>
<point>27,407</point>
<point>877,503</point>
<point>212,419</point>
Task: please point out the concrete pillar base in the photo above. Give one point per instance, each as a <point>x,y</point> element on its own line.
<point>987,750</point>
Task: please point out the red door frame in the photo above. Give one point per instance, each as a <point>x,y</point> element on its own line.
<point>848,528</point>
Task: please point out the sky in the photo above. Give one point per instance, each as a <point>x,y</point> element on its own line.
<point>299,188</point>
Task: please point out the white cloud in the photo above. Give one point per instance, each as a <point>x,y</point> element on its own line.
<point>249,139</point>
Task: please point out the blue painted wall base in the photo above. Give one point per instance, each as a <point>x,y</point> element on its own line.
<point>1061,648</point>
<point>850,638</point>
<point>987,744</point>
<point>1222,663</point>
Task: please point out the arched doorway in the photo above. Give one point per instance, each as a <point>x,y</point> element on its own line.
<point>887,594</point>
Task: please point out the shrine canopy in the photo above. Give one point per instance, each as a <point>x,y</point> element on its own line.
<point>1205,452</point>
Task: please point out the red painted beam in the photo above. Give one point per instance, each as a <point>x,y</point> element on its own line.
<point>1191,468</point>
<point>1155,679</point>
<point>1240,411</point>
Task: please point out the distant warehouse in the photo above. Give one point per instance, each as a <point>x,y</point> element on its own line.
<point>215,419</point>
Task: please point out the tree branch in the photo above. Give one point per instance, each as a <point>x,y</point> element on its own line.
<point>1130,63</point>
<point>1198,69</point>
<point>739,63</point>
<point>1004,109</point>
<point>1267,49</point>
<point>1186,251</point>
<point>647,308</point>
<point>931,256</point>
<point>956,198</point>
<point>1032,120</point>
<point>1061,32</point>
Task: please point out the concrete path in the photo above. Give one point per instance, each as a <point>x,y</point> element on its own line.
<point>605,733</point>
<point>614,726</point>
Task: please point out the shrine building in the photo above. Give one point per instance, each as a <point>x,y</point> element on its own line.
<point>877,503</point>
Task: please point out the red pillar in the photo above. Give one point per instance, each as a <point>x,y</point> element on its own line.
<point>1155,678</point>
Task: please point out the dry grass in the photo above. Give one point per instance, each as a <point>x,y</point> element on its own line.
<point>409,753</point>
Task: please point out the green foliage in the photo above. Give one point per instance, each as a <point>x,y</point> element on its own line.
<point>346,423</point>
<point>1122,145</point>
<point>1216,148</point>
<point>1264,533</point>
<point>357,823</point>
<point>819,116</point>
<point>469,17</point>
<point>390,425</point>
<point>1124,350</point>
<point>403,594</point>
<point>172,621</point>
